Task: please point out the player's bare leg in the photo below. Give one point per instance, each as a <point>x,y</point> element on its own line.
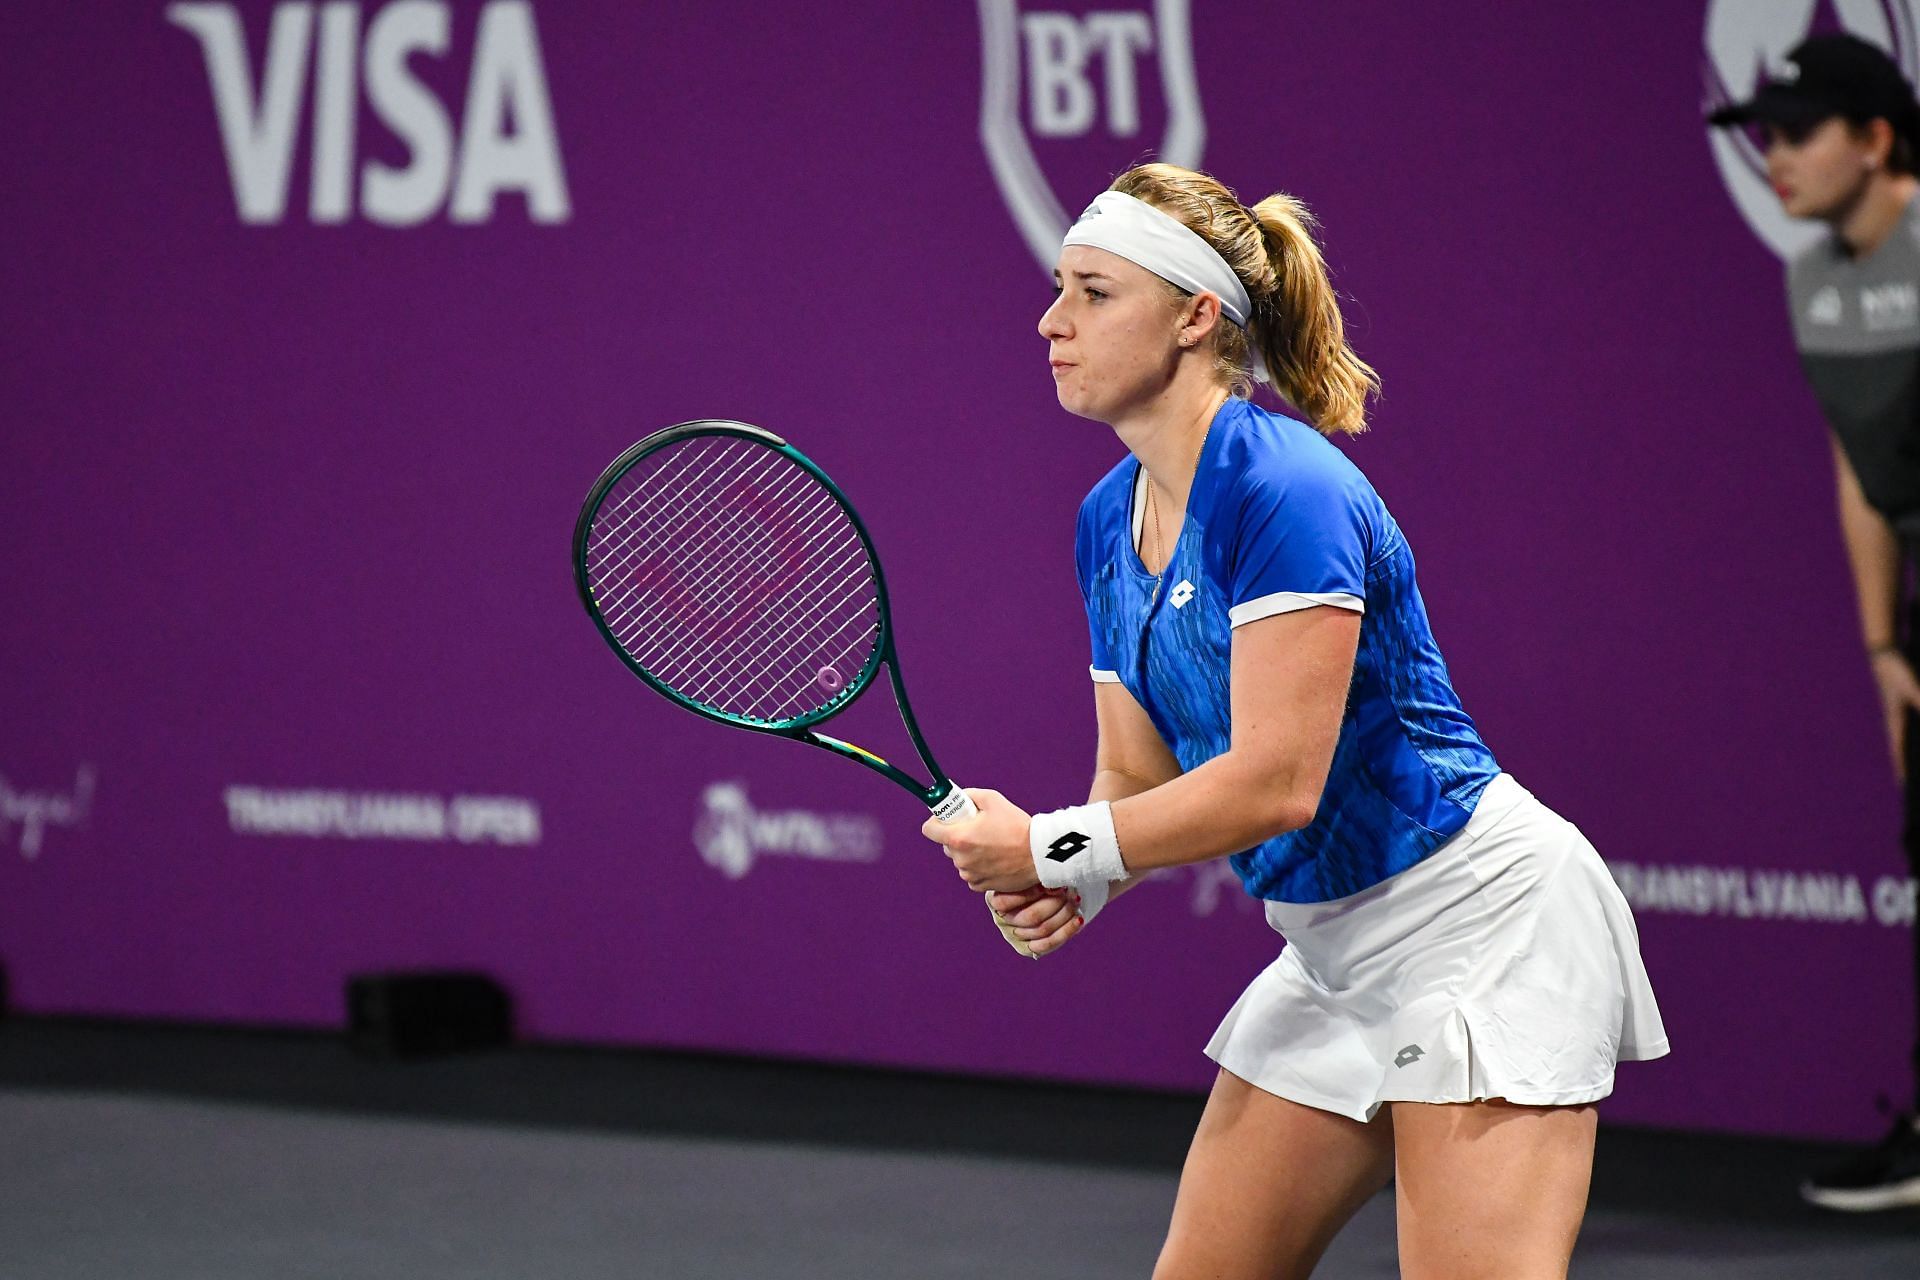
<point>1490,1190</point>
<point>1267,1184</point>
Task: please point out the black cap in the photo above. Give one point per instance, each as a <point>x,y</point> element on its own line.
<point>1831,76</point>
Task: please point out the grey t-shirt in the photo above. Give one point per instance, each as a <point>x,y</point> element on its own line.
<point>1857,324</point>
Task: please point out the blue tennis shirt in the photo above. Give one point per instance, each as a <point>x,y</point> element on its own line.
<point>1278,519</point>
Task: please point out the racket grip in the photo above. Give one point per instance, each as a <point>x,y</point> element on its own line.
<point>958,806</point>
<point>955,806</point>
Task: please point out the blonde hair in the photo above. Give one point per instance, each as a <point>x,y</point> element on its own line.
<point>1296,324</point>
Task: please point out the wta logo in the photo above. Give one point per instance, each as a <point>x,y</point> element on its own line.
<point>731,834</point>
<point>505,140</point>
<point>1747,45</point>
<point>1069,100</point>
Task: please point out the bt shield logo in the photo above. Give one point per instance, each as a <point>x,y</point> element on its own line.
<point>1069,99</point>
<point>1747,42</point>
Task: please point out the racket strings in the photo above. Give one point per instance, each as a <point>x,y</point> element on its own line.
<point>611,521</point>
<point>716,531</point>
<point>652,601</point>
<point>795,671</point>
<point>719,609</point>
<point>780,672</point>
<point>731,575</point>
<point>768,547</point>
<point>779,651</point>
<point>635,540</point>
<point>779,648</point>
<point>802,681</point>
<point>677,524</point>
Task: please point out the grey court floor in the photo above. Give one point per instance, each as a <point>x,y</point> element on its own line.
<point>98,1185</point>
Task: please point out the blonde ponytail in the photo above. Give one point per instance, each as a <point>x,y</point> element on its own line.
<point>1296,326</point>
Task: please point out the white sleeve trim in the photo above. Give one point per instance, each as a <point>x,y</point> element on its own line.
<point>1103,677</point>
<point>1289,602</point>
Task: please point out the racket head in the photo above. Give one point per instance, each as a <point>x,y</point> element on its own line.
<point>729,572</point>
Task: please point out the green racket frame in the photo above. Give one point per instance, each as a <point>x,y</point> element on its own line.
<point>940,795</point>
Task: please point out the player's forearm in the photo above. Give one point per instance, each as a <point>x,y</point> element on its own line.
<point>1113,785</point>
<point>1228,804</point>
<point>1873,551</point>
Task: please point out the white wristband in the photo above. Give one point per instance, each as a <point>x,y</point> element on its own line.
<point>1076,848</point>
<point>1092,898</point>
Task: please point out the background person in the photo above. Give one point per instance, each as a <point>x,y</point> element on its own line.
<point>1841,128</point>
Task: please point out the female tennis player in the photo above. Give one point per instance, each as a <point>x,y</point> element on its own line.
<point>1461,974</point>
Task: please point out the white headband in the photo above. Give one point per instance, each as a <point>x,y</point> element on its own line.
<point>1164,245</point>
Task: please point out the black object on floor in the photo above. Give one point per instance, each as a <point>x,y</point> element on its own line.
<point>421,1015</point>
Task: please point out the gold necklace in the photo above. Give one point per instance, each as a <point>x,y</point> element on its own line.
<point>1153,513</point>
<point>1160,576</point>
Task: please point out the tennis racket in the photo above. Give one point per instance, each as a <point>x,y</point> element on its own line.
<point>729,573</point>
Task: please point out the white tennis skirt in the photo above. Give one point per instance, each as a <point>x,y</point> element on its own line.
<point>1505,965</point>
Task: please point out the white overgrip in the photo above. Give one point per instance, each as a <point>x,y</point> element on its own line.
<point>955,806</point>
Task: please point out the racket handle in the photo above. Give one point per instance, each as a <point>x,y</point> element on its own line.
<point>955,806</point>
<point>958,806</point>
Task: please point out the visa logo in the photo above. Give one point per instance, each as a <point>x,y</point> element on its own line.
<point>504,142</point>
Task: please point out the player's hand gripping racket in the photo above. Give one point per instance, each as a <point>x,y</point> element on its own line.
<point>733,576</point>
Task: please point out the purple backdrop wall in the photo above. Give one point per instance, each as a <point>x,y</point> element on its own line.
<point>284,506</point>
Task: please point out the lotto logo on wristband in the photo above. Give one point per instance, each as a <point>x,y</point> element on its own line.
<point>1065,846</point>
<point>1058,841</point>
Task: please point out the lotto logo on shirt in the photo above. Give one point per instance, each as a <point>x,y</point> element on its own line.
<point>1070,99</point>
